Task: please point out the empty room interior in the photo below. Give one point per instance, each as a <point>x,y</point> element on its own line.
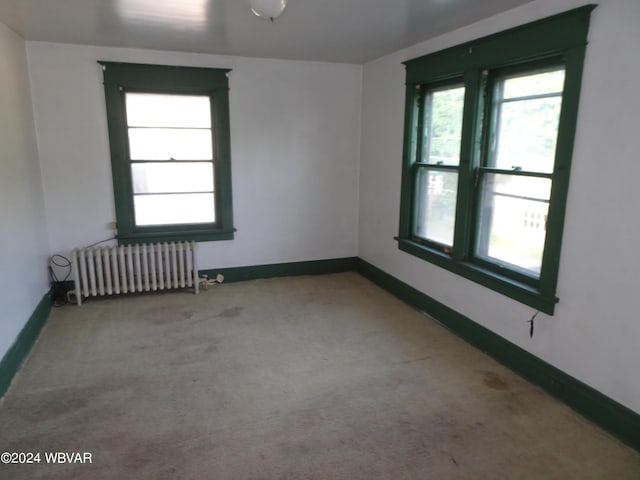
<point>304,239</point>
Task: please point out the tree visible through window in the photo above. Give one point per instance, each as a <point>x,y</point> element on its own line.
<point>437,174</point>
<point>489,131</point>
<point>516,186</point>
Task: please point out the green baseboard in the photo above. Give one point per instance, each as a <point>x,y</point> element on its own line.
<point>14,357</point>
<point>602,410</point>
<point>313,267</point>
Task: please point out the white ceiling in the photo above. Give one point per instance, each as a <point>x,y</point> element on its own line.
<point>352,31</point>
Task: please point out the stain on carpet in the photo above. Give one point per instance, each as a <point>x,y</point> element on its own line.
<point>494,381</point>
<point>162,454</point>
<point>75,400</point>
<point>167,314</point>
<point>230,312</point>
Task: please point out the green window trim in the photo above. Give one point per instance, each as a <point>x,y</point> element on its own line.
<point>559,40</point>
<point>120,78</point>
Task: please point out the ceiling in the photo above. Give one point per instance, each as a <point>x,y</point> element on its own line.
<point>351,31</point>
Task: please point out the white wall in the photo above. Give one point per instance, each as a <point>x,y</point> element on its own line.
<point>23,237</point>
<point>595,332</point>
<point>294,147</point>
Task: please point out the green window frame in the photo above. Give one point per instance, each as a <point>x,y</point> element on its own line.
<point>121,79</point>
<point>457,237</point>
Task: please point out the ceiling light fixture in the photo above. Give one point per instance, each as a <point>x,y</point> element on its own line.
<point>269,9</point>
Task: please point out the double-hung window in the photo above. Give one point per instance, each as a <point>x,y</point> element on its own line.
<point>437,165</point>
<point>169,138</point>
<point>489,131</point>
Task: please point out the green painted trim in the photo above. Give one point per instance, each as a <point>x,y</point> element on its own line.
<point>617,419</point>
<point>557,40</point>
<point>12,360</point>
<point>182,236</point>
<point>521,292</point>
<point>212,82</point>
<point>539,39</point>
<point>313,267</point>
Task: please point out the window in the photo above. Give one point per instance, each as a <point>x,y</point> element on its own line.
<point>170,155</point>
<point>489,131</point>
<point>437,168</point>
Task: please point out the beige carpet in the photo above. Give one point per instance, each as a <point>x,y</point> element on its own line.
<point>324,377</point>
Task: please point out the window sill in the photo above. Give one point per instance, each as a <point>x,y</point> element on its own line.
<point>175,236</point>
<point>518,291</point>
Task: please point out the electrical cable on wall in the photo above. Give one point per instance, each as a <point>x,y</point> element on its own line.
<point>99,242</point>
<point>531,324</point>
<point>58,292</point>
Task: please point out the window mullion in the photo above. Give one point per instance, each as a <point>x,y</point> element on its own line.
<point>471,123</point>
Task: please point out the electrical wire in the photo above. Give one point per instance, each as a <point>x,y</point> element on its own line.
<point>101,241</point>
<point>57,290</point>
<point>531,324</point>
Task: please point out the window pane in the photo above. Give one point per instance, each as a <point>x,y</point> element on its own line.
<point>435,204</point>
<point>167,144</point>
<point>163,110</point>
<point>443,126</point>
<point>174,209</point>
<point>526,128</point>
<point>513,216</point>
<point>527,132</point>
<point>539,83</point>
<point>172,177</point>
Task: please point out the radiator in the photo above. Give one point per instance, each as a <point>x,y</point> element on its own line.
<point>134,268</point>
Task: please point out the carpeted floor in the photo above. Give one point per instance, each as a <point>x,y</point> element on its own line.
<point>324,377</point>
